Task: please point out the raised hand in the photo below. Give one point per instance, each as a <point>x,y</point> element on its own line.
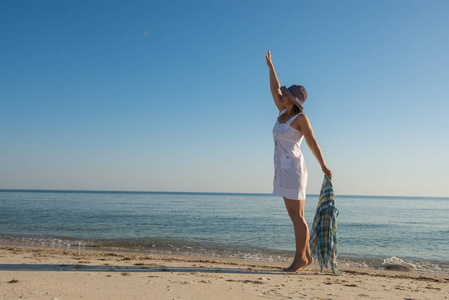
<point>268,57</point>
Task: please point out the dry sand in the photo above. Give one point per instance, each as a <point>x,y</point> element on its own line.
<point>43,273</point>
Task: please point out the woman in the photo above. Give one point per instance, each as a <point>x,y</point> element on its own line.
<point>290,179</point>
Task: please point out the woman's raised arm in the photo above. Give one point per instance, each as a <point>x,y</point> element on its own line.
<point>275,87</point>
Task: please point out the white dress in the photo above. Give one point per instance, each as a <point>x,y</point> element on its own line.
<point>290,173</point>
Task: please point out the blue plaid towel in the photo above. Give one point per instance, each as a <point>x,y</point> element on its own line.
<point>323,237</point>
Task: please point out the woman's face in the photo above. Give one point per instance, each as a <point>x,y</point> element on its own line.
<point>285,99</point>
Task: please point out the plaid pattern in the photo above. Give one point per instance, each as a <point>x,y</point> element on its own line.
<point>323,237</point>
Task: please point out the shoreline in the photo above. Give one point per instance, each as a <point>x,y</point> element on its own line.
<point>42,273</point>
<point>280,257</point>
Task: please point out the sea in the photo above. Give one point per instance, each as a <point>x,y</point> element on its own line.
<point>393,233</point>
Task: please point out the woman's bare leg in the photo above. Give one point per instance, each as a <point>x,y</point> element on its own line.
<point>303,258</point>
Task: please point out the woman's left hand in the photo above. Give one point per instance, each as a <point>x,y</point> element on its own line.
<point>327,172</point>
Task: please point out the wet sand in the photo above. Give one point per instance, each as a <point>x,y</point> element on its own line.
<point>45,273</point>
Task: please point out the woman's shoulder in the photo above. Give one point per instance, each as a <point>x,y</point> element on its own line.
<point>301,119</point>
<point>302,116</point>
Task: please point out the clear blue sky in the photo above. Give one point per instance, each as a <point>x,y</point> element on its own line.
<point>88,101</point>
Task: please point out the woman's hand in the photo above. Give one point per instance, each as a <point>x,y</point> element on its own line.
<point>268,57</point>
<point>327,172</point>
<point>274,83</point>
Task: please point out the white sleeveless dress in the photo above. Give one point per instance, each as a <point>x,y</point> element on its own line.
<point>290,173</point>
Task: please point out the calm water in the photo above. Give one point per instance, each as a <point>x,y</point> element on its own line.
<point>372,231</point>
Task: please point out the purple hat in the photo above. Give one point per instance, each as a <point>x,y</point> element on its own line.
<point>297,93</point>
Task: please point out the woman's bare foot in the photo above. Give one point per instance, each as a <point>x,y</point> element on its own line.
<point>310,261</point>
<point>299,265</point>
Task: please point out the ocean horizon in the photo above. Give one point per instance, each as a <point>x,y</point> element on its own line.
<point>378,232</point>
<point>193,192</point>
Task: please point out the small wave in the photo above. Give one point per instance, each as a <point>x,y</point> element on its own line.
<point>43,242</point>
<point>396,264</point>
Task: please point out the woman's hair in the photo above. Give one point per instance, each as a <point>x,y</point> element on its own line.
<point>296,109</point>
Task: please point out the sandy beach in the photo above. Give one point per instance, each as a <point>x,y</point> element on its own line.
<point>45,273</point>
